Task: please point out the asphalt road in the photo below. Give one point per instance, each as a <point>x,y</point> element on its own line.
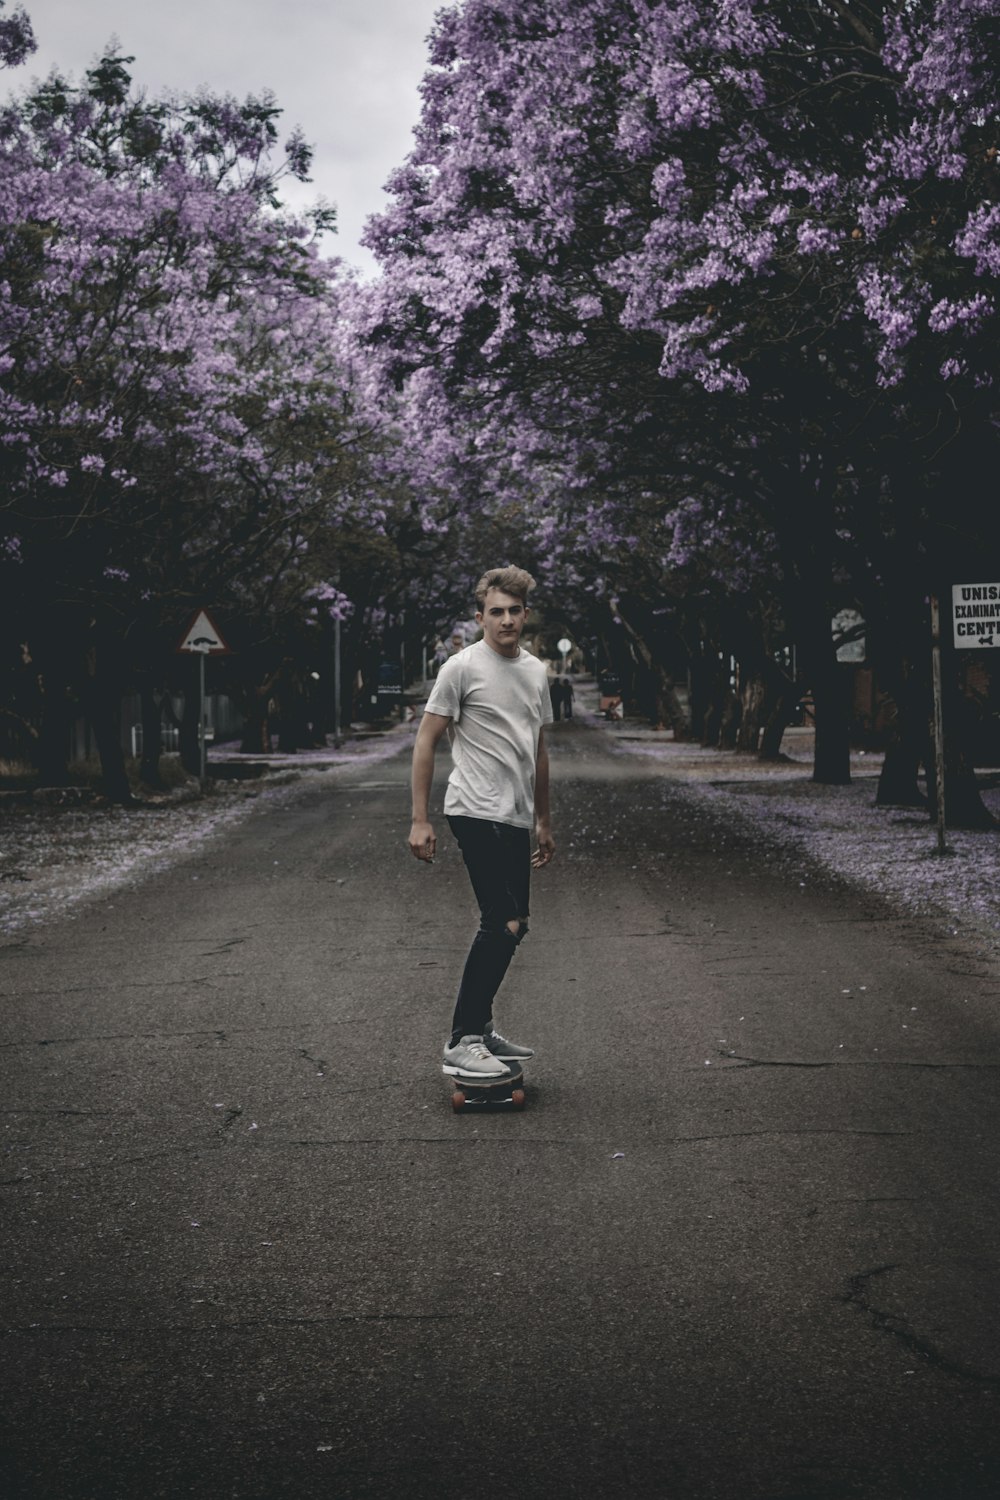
<point>741,1245</point>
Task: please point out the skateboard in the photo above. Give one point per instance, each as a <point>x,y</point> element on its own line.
<point>488,1093</point>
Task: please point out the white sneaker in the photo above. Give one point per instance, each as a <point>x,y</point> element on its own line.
<point>472,1057</point>
<point>506,1051</point>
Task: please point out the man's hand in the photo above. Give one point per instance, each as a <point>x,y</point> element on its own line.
<point>546,845</point>
<point>422,841</point>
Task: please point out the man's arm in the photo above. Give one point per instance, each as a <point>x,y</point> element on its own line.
<point>543,832</point>
<point>422,840</point>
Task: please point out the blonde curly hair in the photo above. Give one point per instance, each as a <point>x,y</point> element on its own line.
<point>513,581</point>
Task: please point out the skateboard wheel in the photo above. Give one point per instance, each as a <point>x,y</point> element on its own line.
<point>517,1098</point>
<point>457,1100</point>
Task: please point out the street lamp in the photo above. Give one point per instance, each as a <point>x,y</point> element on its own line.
<point>336,666</point>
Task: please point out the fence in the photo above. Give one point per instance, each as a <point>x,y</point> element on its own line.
<point>223,721</point>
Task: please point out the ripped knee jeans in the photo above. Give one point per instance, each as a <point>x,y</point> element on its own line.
<point>498,859</point>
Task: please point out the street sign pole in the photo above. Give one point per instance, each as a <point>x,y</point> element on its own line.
<point>201,714</point>
<point>336,682</point>
<point>938,719</point>
<point>336,665</point>
<point>203,636</point>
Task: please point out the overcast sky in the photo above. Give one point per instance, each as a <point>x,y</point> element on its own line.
<point>347,71</point>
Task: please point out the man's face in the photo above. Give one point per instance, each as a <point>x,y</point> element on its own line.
<point>502,619</point>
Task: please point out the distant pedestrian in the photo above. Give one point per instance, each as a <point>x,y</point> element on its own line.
<point>556,697</point>
<point>567,698</point>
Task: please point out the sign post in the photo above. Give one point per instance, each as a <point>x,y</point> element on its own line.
<point>204,637</point>
<point>336,681</point>
<point>938,719</point>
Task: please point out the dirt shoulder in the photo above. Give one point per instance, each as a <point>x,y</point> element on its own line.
<point>59,852</point>
<point>891,851</point>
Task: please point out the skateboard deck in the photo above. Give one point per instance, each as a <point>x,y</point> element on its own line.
<point>488,1093</point>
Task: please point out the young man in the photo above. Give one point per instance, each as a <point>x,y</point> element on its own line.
<point>493,699</point>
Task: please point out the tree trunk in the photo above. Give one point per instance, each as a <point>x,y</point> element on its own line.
<point>104,713</point>
<point>255,738</point>
<point>670,710</point>
<point>831,686</point>
<point>753,693</point>
<point>667,705</point>
<point>288,695</point>
<point>898,785</point>
<point>711,729</point>
<point>729,724</point>
<point>152,719</point>
<point>775,725</point>
<point>53,734</point>
<point>713,697</point>
<point>700,698</point>
<point>190,744</point>
<point>53,678</point>
<point>254,701</point>
<point>909,746</point>
<point>963,805</point>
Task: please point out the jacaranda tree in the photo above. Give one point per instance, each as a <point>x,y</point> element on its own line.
<point>732,270</point>
<point>178,421</point>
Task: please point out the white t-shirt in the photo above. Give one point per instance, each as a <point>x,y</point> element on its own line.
<point>497,705</point>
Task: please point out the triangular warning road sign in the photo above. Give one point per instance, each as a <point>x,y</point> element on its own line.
<point>204,636</point>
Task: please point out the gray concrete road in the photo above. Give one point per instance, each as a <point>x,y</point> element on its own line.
<point>742,1244</point>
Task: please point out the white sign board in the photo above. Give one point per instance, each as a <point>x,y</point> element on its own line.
<point>203,635</point>
<point>565,646</point>
<point>849,636</point>
<point>975,609</point>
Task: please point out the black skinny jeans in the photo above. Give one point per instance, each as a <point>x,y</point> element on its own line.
<point>498,859</point>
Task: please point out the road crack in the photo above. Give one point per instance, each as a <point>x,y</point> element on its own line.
<point>318,1062</point>
<point>858,1295</point>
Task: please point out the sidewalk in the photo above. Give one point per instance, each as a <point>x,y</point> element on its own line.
<point>359,742</point>
<point>890,851</point>
<point>689,761</point>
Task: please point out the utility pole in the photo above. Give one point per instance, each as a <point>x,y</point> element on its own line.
<point>336,665</point>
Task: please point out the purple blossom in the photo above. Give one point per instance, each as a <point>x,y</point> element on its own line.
<point>816,239</point>
<point>979,239</point>
<point>337,605</point>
